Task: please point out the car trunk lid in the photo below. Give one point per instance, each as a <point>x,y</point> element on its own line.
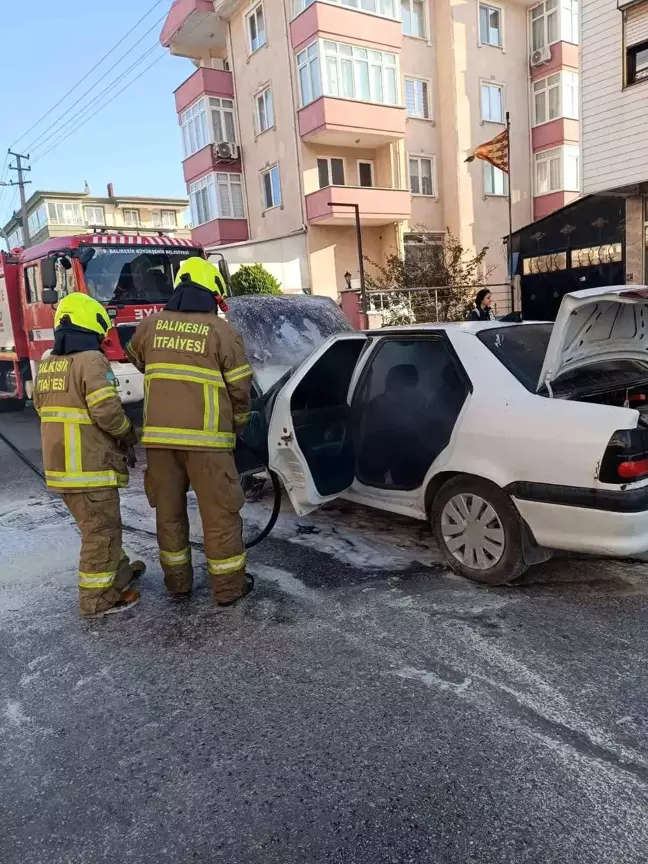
<point>594,325</point>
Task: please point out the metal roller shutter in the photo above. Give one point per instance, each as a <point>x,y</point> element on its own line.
<point>636,24</point>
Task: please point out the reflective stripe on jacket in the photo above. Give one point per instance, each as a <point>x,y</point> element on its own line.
<point>81,418</point>
<point>196,381</point>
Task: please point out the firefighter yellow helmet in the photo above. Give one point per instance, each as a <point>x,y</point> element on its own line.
<point>200,272</point>
<point>84,312</point>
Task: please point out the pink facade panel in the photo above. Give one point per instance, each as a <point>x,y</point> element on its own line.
<point>543,205</point>
<point>203,162</point>
<point>344,116</point>
<point>347,25</point>
<point>377,206</point>
<point>562,54</point>
<point>221,231</point>
<point>555,133</point>
<point>179,13</point>
<point>212,82</point>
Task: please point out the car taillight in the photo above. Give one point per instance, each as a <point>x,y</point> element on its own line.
<point>626,457</point>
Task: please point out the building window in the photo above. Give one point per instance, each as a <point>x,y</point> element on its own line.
<point>256,28</point>
<point>490,25</point>
<point>386,8</point>
<point>216,196</point>
<point>264,111</point>
<point>15,239</point>
<point>421,172</point>
<point>330,171</point>
<point>557,170</point>
<point>37,220</point>
<point>193,123</point>
<point>492,102</point>
<point>131,218</point>
<point>417,98</point>
<point>412,17</point>
<point>555,96</point>
<point>164,219</point>
<point>271,188</point>
<point>94,215</point>
<point>554,21</point>
<point>222,117</point>
<point>424,249</point>
<point>308,70</point>
<point>351,72</point>
<point>64,213</point>
<point>365,173</point>
<point>495,180</point>
<point>637,63</point>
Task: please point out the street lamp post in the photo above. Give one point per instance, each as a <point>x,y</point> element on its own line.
<point>363,288</point>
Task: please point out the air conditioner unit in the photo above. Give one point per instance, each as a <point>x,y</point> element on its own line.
<point>226,151</point>
<point>541,55</point>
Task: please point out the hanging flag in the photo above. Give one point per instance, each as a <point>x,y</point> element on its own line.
<point>495,151</point>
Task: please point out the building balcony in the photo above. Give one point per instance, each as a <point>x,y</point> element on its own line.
<point>204,82</point>
<point>377,206</point>
<point>193,29</point>
<point>220,231</point>
<point>347,123</point>
<point>555,132</point>
<point>562,54</point>
<point>326,21</point>
<point>543,205</point>
<point>205,161</point>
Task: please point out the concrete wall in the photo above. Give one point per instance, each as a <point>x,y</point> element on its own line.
<point>285,257</point>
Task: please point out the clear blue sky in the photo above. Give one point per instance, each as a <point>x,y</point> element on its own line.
<point>135,141</point>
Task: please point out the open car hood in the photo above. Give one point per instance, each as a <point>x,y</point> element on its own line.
<point>280,332</point>
<point>594,325</point>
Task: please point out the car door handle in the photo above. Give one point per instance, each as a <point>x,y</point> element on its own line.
<point>287,437</point>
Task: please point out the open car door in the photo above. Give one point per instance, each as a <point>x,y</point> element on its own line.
<point>309,439</point>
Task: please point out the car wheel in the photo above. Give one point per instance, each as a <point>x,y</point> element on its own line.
<point>478,530</point>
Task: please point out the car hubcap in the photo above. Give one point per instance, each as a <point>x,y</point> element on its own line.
<point>472,531</point>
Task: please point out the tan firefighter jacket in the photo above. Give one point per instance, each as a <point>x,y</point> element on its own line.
<point>82,423</point>
<point>196,380</point>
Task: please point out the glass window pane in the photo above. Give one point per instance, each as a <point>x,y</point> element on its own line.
<point>406,18</point>
<point>377,94</point>
<point>230,132</point>
<point>410,97</point>
<point>554,174</point>
<point>238,210</point>
<point>218,126</point>
<point>304,85</point>
<point>483,24</point>
<point>269,107</point>
<point>332,84</point>
<point>391,89</point>
<point>365,173</point>
<point>537,34</point>
<point>347,79</point>
<point>417,18</point>
<point>323,173</point>
<point>426,176</point>
<point>552,27</point>
<point>267,190</point>
<point>414,176</point>
<point>554,102</point>
<point>337,172</point>
<point>539,103</point>
<point>261,113</point>
<point>316,83</point>
<point>276,187</point>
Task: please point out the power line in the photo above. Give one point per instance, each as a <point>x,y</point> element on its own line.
<point>94,113</point>
<point>87,75</point>
<point>45,142</point>
<point>42,134</point>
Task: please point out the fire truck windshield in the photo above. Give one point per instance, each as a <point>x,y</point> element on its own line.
<point>133,275</point>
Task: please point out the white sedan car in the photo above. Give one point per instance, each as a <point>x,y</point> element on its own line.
<point>511,439</point>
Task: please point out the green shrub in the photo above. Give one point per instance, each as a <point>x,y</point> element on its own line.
<point>254,279</point>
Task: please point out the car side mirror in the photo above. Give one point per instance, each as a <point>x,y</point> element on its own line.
<point>50,296</point>
<point>48,273</point>
<point>224,271</point>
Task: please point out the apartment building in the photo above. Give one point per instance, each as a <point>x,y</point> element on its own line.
<point>298,110</point>
<point>614,59</point>
<point>59,214</point>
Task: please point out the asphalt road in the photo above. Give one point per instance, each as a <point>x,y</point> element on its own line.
<point>343,713</point>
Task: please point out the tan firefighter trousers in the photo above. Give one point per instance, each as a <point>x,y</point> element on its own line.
<point>214,479</point>
<point>104,569</point>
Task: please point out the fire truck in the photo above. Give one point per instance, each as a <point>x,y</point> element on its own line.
<point>131,275</point>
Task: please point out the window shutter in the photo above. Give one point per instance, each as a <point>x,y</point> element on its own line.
<point>636,24</point>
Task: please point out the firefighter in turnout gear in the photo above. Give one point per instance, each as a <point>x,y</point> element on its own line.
<point>86,438</point>
<point>196,400</point>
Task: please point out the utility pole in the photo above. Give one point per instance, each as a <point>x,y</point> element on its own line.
<point>21,183</point>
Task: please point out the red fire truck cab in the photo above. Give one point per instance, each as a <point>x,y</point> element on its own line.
<point>132,276</point>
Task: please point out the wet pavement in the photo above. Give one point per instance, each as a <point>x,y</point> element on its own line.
<point>363,705</point>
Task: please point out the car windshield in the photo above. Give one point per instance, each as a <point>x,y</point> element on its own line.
<point>521,348</point>
<point>132,275</point>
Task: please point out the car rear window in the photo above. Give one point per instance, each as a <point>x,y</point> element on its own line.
<point>521,348</point>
